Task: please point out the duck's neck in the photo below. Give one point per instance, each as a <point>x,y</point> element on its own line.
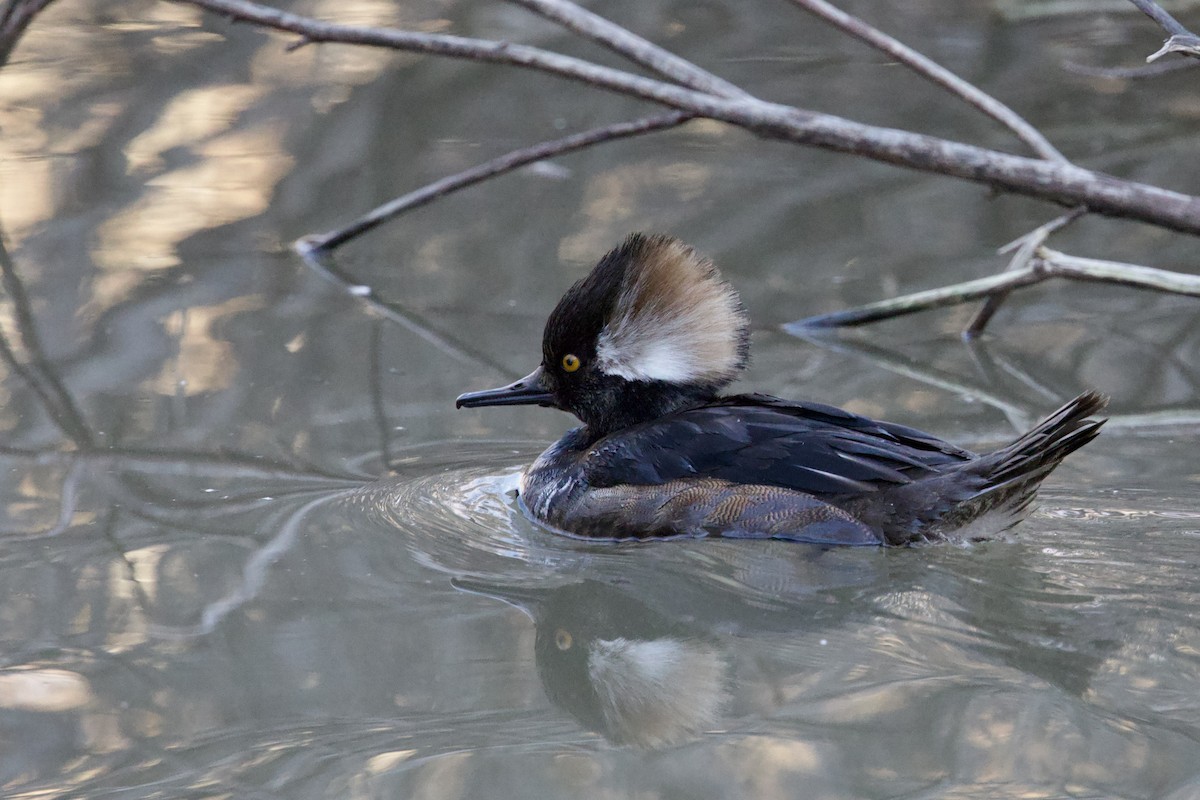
<point>620,406</point>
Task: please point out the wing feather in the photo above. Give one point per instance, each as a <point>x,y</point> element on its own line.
<point>758,439</point>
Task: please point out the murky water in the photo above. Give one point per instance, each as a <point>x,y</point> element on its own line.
<point>210,591</point>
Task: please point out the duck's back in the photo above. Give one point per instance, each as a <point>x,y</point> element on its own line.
<point>758,466</point>
<point>758,439</point>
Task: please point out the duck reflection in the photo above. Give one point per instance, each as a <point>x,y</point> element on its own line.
<point>652,660</point>
<point>618,667</point>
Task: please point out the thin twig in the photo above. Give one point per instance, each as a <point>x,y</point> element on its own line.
<point>1180,39</point>
<point>1024,248</point>
<point>489,169</point>
<point>631,46</point>
<point>67,502</point>
<point>1045,265</point>
<point>1159,14</point>
<point>1038,235</point>
<point>953,295</point>
<point>936,73</point>
<point>1061,183</point>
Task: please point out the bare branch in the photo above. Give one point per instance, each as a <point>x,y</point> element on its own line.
<point>1040,234</point>
<point>1061,265</point>
<point>1187,43</point>
<point>1180,40</point>
<point>1045,265</point>
<point>1157,13</point>
<point>1060,183</point>
<point>631,46</point>
<point>489,169</point>
<point>936,73</point>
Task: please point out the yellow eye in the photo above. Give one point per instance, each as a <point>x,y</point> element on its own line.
<point>570,362</point>
<point>563,639</point>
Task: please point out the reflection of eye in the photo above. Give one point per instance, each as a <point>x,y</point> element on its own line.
<point>562,639</point>
<point>570,362</point>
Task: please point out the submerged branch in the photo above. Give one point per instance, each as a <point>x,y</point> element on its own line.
<point>254,573</point>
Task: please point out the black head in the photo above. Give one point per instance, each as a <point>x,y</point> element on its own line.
<point>652,329</point>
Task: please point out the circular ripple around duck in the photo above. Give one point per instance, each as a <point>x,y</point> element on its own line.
<point>458,513</point>
<point>456,509</point>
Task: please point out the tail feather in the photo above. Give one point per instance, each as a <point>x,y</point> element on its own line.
<point>1003,481</point>
<point>995,489</point>
<point>1033,456</point>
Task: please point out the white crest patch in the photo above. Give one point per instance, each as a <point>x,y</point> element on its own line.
<point>657,692</point>
<point>675,320</point>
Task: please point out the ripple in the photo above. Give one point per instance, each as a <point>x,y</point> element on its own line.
<point>457,511</point>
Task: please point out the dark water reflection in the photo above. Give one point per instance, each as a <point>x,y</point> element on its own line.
<point>208,590</point>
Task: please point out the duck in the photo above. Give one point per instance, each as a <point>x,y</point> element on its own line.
<point>641,351</point>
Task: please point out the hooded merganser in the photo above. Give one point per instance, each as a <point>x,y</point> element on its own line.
<point>639,351</point>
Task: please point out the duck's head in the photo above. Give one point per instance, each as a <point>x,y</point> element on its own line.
<point>651,330</point>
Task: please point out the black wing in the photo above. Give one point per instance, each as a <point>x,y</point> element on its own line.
<point>808,447</point>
